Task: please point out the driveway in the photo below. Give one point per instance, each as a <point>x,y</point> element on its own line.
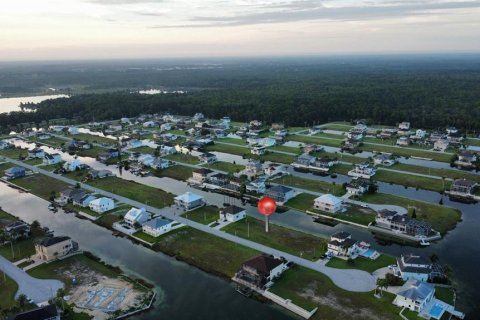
<point>40,291</point>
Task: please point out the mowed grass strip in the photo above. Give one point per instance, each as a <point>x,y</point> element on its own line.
<point>133,190</point>
<point>363,263</point>
<point>281,238</point>
<point>312,185</point>
<point>411,180</point>
<point>302,202</point>
<point>177,172</point>
<point>8,289</point>
<point>447,173</point>
<point>205,251</point>
<point>41,185</point>
<point>182,157</point>
<point>225,166</point>
<point>441,217</point>
<point>310,289</point>
<point>203,215</point>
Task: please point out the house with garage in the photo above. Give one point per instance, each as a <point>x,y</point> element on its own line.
<point>73,165</point>
<point>36,153</point>
<point>342,245</point>
<point>328,203</point>
<point>280,194</point>
<point>157,226</point>
<point>259,272</point>
<point>440,145</point>
<point>232,214</point>
<point>50,159</point>
<point>362,170</point>
<point>466,159</point>
<point>402,223</point>
<point>54,248</point>
<point>414,295</point>
<point>257,186</point>
<point>414,266</point>
<point>358,186</point>
<point>14,173</point>
<point>199,176</point>
<point>102,205</point>
<point>463,188</point>
<point>82,200</point>
<point>383,159</point>
<point>135,217</point>
<point>252,168</point>
<point>189,201</point>
<point>207,157</point>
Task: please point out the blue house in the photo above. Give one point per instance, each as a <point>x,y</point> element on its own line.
<point>15,172</point>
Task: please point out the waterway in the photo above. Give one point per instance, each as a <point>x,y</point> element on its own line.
<point>13,104</point>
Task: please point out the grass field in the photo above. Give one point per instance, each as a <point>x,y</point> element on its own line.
<point>452,174</point>
<point>353,214</point>
<point>404,152</point>
<point>225,166</point>
<point>143,149</point>
<point>7,293</point>
<point>275,157</point>
<point>204,215</point>
<point>14,153</point>
<point>233,140</point>
<point>341,168</point>
<point>91,153</point>
<point>21,249</point>
<point>362,263</point>
<point>227,148</point>
<point>316,140</point>
<point>54,142</point>
<point>413,181</point>
<point>281,238</point>
<point>302,202</point>
<point>310,289</point>
<point>441,217</point>
<point>92,138</point>
<point>207,252</point>
<point>286,149</point>
<point>312,185</point>
<point>41,185</point>
<point>135,191</point>
<point>181,157</point>
<point>33,162</point>
<point>177,172</point>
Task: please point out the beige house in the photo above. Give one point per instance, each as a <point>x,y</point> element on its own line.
<point>56,247</point>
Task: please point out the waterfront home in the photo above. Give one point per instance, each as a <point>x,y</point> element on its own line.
<point>403,141</point>
<point>273,169</point>
<point>323,164</point>
<point>304,161</point>
<point>50,159</point>
<point>252,169</point>
<point>350,145</point>
<point>160,163</point>
<point>387,133</point>
<point>232,214</point>
<point>420,134</point>
<point>343,246</point>
<point>53,248</point>
<point>73,165</point>
<point>48,312</point>
<point>73,130</point>
<point>146,159</point>
<point>199,176</point>
<point>362,170</point>
<point>166,150</point>
<point>189,201</point>
<point>414,295</point>
<point>440,145</point>
<point>219,179</point>
<point>402,223</point>
<point>134,143</point>
<point>466,159</point>
<point>108,154</point>
<point>17,229</point>
<point>309,148</point>
<point>82,200</point>
<point>354,136</point>
<point>36,153</point>
<point>102,205</point>
<point>256,186</point>
<point>358,129</point>
<point>99,174</point>
<point>69,194</point>
<point>258,150</point>
<point>358,186</point>
<point>157,226</point>
<point>463,187</point>
<point>416,267</point>
<point>328,203</point>
<point>404,126</point>
<point>383,159</point>
<point>135,218</point>
<point>260,271</point>
<point>198,117</point>
<point>14,172</point>
<point>207,157</point>
<point>280,194</point>
<point>168,137</point>
<point>6,145</point>
<point>452,130</point>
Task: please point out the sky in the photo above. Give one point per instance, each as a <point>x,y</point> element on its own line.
<point>117,29</point>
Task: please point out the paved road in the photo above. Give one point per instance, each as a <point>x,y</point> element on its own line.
<point>38,290</point>
<point>348,279</point>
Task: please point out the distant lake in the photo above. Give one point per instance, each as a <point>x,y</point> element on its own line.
<point>13,104</point>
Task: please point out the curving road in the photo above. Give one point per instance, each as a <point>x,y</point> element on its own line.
<point>40,291</point>
<point>348,279</point>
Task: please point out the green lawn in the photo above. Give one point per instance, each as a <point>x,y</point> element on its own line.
<point>77,175</point>
<point>207,252</point>
<point>472,142</point>
<point>452,174</point>
<point>233,140</point>
<point>444,294</point>
<point>442,218</point>
<point>185,158</point>
<point>204,215</point>
<point>52,167</point>
<point>146,237</point>
<point>54,142</point>
<point>275,157</point>
<point>177,172</point>
<point>286,149</point>
<point>21,249</point>
<point>108,219</point>
<point>302,202</point>
<point>312,185</point>
<point>310,289</point>
<point>227,148</point>
<point>341,168</point>
<point>143,149</point>
<point>41,185</point>
<point>4,166</point>
<point>404,152</point>
<point>34,162</point>
<point>281,238</point>
<point>225,166</point>
<point>316,140</point>
<point>413,181</point>
<point>14,153</point>
<point>135,191</point>
<point>353,214</point>
<point>93,138</point>
<point>8,289</point>
<point>92,152</point>
<point>362,263</point>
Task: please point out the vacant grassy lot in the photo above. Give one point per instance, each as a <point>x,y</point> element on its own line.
<point>91,153</point>
<point>15,153</point>
<point>21,249</point>
<point>452,174</point>
<point>177,172</point>
<point>225,166</point>
<point>142,149</point>
<point>441,217</point>
<point>181,157</point>
<point>413,181</point>
<point>7,293</point>
<point>312,185</point>
<point>310,289</point>
<point>233,140</point>
<point>4,166</point>
<point>286,149</point>
<point>204,215</point>
<point>342,169</point>
<point>353,214</point>
<point>316,140</point>
<point>362,263</point>
<point>281,238</point>
<point>135,191</point>
<point>227,148</point>
<point>404,152</point>
<point>302,202</point>
<point>205,251</point>
<point>41,185</point>
<point>275,157</point>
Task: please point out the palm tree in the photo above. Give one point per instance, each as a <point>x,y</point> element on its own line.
<point>22,301</point>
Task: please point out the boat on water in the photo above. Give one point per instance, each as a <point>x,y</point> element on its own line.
<point>244,291</point>
<point>424,243</point>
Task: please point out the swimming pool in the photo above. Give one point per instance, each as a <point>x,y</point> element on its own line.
<point>369,253</point>
<point>436,311</point>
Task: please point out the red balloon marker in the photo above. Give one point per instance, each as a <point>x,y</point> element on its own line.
<point>267,207</point>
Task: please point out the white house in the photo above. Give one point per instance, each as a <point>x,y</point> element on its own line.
<point>166,127</point>
<point>274,169</point>
<point>280,193</point>
<point>328,203</point>
<point>189,201</point>
<point>358,186</point>
<point>232,213</point>
<point>363,170</point>
<point>440,145</point>
<point>258,150</point>
<point>37,153</point>
<point>73,130</point>
<point>415,267</point>
<point>134,216</point>
<point>420,133</point>
<point>54,158</point>
<point>207,157</point>
<point>146,159</point>
<point>342,245</point>
<point>414,295</point>
<point>72,165</point>
<point>102,205</point>
<point>404,126</point>
<point>383,159</point>
<point>149,124</point>
<point>157,226</point>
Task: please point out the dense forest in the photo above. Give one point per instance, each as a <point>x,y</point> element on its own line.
<point>430,93</point>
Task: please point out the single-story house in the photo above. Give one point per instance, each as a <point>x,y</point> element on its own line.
<point>189,201</point>
<point>328,203</point>
<point>232,213</point>
<point>280,193</point>
<point>100,174</point>
<point>157,226</point>
<point>102,205</point>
